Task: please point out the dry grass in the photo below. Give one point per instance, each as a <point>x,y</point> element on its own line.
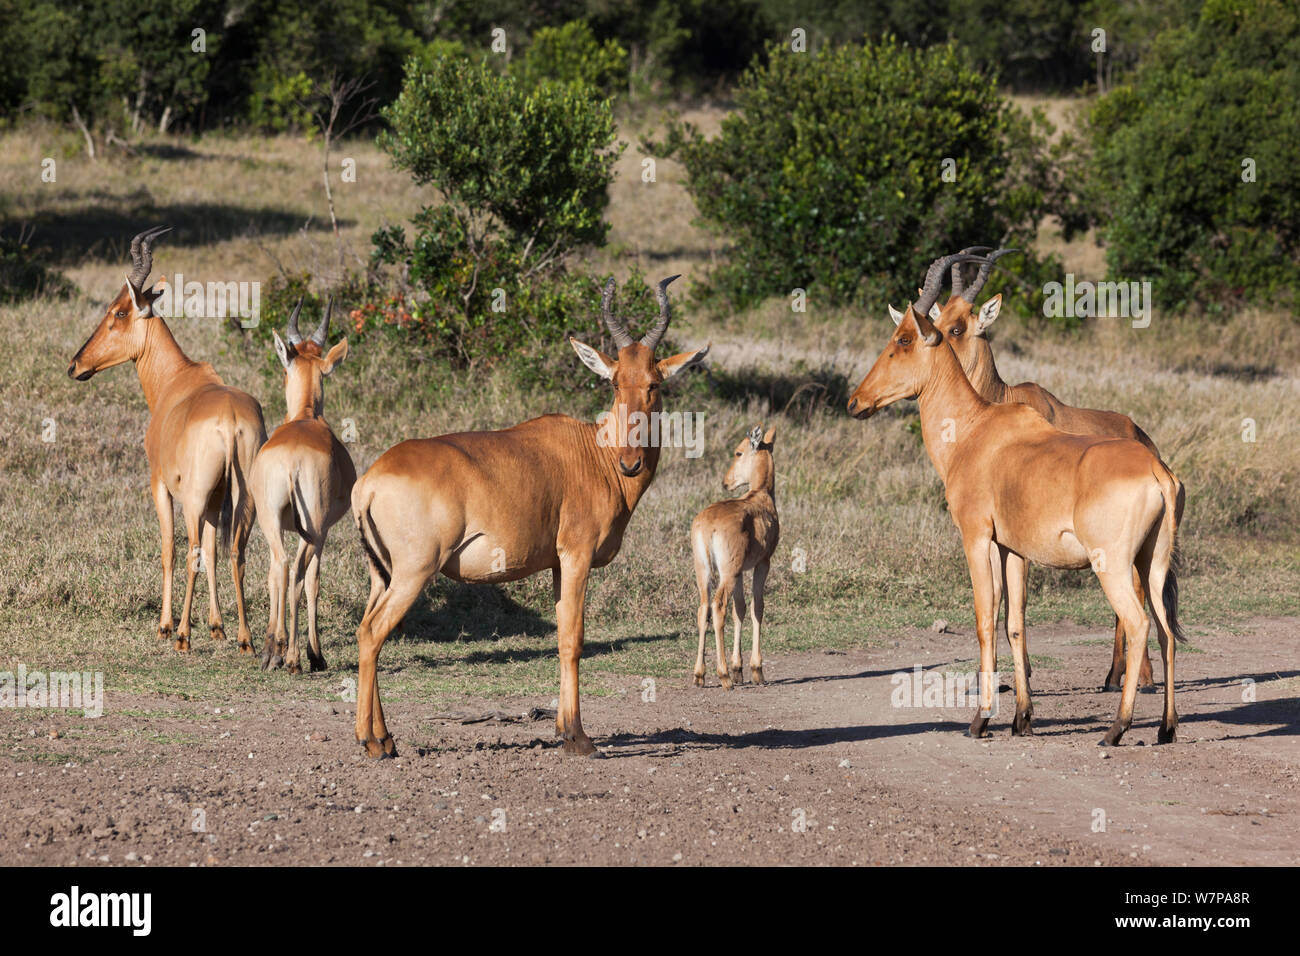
<point>79,571</point>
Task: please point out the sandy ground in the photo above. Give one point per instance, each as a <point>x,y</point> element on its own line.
<point>817,767</point>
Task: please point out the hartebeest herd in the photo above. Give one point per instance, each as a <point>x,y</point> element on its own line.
<point>1027,479</point>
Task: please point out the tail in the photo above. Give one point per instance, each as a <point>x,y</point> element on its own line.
<point>226,522</point>
<point>370,543</point>
<point>1171,489</point>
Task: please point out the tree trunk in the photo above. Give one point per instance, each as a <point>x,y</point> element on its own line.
<point>85,131</point>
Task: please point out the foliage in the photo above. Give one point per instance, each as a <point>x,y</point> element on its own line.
<point>572,54</point>
<point>23,275</point>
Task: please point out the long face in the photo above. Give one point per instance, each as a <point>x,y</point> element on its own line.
<point>901,370</point>
<point>745,459</point>
<point>305,367</point>
<point>119,337</point>
<point>965,330</point>
<point>636,377</point>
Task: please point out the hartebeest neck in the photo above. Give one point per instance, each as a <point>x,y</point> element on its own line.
<point>763,477</point>
<point>159,363</point>
<point>303,397</point>
<point>984,375</point>
<point>949,406</point>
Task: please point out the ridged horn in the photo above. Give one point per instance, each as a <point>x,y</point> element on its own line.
<point>652,338</point>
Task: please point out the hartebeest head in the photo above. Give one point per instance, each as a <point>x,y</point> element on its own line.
<point>751,465</point>
<point>306,363</point>
<point>122,332</point>
<point>904,366</point>
<point>958,321</point>
<point>635,373</point>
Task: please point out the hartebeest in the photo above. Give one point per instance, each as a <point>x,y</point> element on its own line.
<point>966,332</point>
<point>732,537</point>
<point>1039,494</point>
<point>201,440</point>
<point>551,493</point>
<point>301,480</point>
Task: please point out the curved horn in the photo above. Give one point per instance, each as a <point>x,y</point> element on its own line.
<point>294,336</point>
<point>322,333</point>
<point>934,277</point>
<point>142,255</point>
<point>652,338</point>
<point>974,290</point>
<point>622,337</point>
<point>957,284</point>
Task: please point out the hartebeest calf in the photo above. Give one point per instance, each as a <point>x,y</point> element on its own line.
<point>200,443</point>
<point>552,493</point>
<point>732,537</point>
<point>301,480</point>
<point>965,331</point>
<point>1039,494</point>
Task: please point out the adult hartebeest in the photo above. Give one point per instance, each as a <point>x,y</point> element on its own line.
<point>965,331</point>
<point>552,493</point>
<point>200,443</point>
<point>1039,494</point>
<point>732,537</point>
<point>301,480</point>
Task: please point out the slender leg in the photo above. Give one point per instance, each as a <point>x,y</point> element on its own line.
<point>721,598</point>
<point>981,575</point>
<point>702,614</point>
<point>238,553</point>
<point>1014,568</point>
<point>756,613</point>
<point>738,598</point>
<point>569,616</point>
<point>209,534</point>
<point>1115,677</point>
<point>192,559</point>
<point>1118,586</point>
<point>162,501</point>
<point>391,607</point>
<point>314,655</point>
<point>306,554</point>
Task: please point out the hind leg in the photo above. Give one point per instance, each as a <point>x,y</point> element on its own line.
<point>981,575</point>
<point>277,584</point>
<point>162,501</point>
<point>209,533</point>
<point>721,598</point>
<point>756,613</point>
<point>1155,570</point>
<point>1014,571</point>
<point>738,598</point>
<point>701,617</point>
<point>1118,586</point>
<point>301,564</point>
<point>314,655</point>
<point>392,605</point>
<point>193,556</point>
<point>239,532</point>
<point>1115,677</point>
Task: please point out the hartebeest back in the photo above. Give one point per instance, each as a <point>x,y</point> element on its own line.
<point>1038,494</point>
<point>552,493</point>
<point>732,537</point>
<point>966,332</point>
<point>301,480</point>
<point>200,443</point>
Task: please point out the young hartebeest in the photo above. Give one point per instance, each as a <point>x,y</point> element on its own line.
<point>302,480</point>
<point>551,493</point>
<point>1064,501</point>
<point>732,537</point>
<point>966,333</point>
<point>200,443</point>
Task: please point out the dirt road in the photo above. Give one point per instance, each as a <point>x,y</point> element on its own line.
<point>818,767</point>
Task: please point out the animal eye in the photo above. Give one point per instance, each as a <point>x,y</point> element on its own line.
<point>905,341</point>
<point>958,330</point>
<point>653,386</point>
<point>121,314</point>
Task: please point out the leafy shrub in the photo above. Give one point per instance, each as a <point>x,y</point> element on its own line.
<point>24,276</point>
<point>572,54</point>
<point>1164,177</point>
<point>830,175</point>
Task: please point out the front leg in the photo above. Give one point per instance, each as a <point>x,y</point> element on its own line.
<point>981,577</point>
<point>569,618</point>
<point>1014,572</point>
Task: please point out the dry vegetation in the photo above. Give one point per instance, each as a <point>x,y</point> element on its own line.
<point>79,573</point>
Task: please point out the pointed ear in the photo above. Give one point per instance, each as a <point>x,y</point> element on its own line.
<point>335,356</point>
<point>988,312</point>
<point>770,436</point>
<point>673,364</point>
<point>594,359</point>
<point>280,349</point>
<point>756,436</point>
<point>139,301</point>
<point>935,313</point>
<point>924,328</point>
<point>895,315</point>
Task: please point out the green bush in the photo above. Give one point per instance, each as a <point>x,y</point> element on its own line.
<point>572,54</point>
<point>830,177</point>
<point>1163,177</point>
<point>24,276</point>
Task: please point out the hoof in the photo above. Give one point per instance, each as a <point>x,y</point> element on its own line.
<point>294,668</point>
<point>699,680</point>
<point>318,664</point>
<point>217,631</point>
<point>247,649</point>
<point>756,675</point>
<point>1022,726</point>
<point>1146,688</point>
<point>1109,687</point>
<point>379,750</point>
<point>1167,735</point>
<point>165,632</point>
<point>979,727</point>
<point>1112,736</point>
<point>182,644</point>
<point>579,746</point>
<point>737,675</point>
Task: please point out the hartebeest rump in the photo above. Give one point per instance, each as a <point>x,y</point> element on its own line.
<point>732,537</point>
<point>201,441</point>
<point>966,332</point>
<point>302,481</point>
<point>551,493</point>
<point>1063,501</point>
